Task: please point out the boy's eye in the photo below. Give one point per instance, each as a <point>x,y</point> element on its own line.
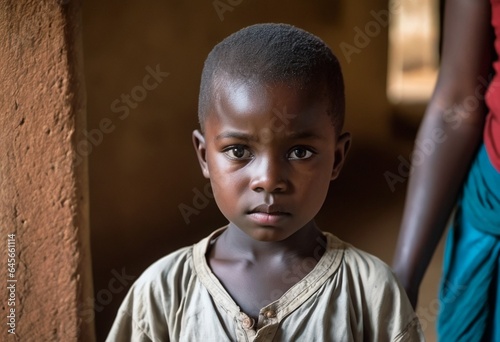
<point>238,152</point>
<point>300,153</point>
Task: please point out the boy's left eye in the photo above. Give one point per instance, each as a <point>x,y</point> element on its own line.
<point>300,153</point>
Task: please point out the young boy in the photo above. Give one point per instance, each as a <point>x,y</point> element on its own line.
<point>271,113</point>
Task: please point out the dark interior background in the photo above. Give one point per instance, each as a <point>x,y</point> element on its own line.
<point>146,167</point>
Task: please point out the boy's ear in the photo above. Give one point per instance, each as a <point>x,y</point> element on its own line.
<point>201,151</point>
<point>343,145</point>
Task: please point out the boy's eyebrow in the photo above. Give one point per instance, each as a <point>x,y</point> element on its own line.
<point>235,135</point>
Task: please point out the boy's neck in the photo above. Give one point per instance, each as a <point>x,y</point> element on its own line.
<point>307,242</point>
<point>253,272</point>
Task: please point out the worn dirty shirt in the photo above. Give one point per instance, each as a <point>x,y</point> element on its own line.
<point>350,295</point>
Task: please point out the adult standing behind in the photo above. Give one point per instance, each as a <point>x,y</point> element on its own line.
<point>463,171</point>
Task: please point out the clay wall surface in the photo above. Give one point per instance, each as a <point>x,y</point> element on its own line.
<point>44,216</point>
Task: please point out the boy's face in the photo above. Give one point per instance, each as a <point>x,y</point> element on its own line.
<point>270,152</point>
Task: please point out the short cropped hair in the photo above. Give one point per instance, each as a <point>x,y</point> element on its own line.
<point>273,53</point>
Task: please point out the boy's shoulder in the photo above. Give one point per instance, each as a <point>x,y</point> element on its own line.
<point>175,261</point>
<point>354,256</point>
<point>365,271</point>
<point>376,294</point>
<point>365,263</point>
<point>159,288</point>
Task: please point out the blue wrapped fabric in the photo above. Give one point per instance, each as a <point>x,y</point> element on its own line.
<point>481,195</point>
<point>469,293</point>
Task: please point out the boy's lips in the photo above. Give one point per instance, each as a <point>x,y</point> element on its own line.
<point>270,209</point>
<point>265,214</point>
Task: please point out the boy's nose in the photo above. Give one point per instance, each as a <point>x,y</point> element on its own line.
<point>269,176</point>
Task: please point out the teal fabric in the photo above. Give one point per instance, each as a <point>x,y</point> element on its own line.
<point>481,195</point>
<point>469,293</point>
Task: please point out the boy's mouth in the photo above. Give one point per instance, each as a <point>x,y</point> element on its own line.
<point>265,214</point>
<point>270,209</point>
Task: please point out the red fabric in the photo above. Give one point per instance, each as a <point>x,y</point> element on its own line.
<point>492,128</point>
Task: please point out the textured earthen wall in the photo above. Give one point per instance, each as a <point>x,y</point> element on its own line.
<point>43,182</point>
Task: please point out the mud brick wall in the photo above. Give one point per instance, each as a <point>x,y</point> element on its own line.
<point>45,266</point>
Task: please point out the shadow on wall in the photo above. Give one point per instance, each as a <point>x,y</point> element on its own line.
<point>143,64</point>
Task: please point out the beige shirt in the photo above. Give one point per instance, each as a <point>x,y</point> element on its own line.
<point>350,295</point>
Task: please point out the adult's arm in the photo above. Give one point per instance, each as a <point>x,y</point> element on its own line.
<point>452,126</point>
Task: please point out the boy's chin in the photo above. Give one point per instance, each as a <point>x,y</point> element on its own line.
<point>268,234</point>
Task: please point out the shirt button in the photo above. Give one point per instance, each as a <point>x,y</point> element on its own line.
<point>247,323</point>
<point>270,314</point>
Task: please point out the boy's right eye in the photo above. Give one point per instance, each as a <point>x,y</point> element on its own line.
<point>237,152</point>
